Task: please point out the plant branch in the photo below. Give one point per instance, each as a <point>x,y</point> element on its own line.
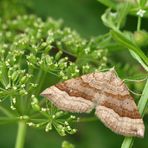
<point>6,112</point>
<point>21,134</point>
<point>7,120</point>
<point>139,23</point>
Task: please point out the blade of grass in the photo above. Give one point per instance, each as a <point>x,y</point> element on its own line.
<point>128,141</point>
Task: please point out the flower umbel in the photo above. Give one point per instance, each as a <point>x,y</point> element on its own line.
<point>36,54</point>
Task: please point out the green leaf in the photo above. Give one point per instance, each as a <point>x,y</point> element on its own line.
<point>143,100</point>
<point>109,19</point>
<point>139,60</point>
<point>134,7</point>
<point>142,3</point>
<point>119,37</point>
<point>122,13</point>
<point>108,3</point>
<point>116,20</point>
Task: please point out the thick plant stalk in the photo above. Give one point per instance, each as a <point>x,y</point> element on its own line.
<point>128,141</point>
<point>21,134</point>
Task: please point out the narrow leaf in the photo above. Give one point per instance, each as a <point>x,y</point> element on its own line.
<point>119,37</point>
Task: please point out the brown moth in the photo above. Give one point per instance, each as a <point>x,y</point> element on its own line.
<point>105,92</point>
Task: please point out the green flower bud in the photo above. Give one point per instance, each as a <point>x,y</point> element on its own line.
<point>141,38</point>
<point>14,75</point>
<point>35,107</point>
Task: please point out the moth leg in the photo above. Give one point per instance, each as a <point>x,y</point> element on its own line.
<point>63,101</point>
<point>121,125</point>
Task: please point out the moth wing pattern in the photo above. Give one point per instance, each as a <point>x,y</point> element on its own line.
<point>66,96</point>
<point>116,107</point>
<point>105,92</point>
<point>121,125</point>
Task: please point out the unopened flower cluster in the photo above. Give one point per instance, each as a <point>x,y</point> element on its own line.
<point>35,54</point>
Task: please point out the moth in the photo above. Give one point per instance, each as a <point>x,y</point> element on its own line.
<point>107,94</point>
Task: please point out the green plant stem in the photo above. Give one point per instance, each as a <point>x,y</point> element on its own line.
<point>6,112</point>
<point>143,100</point>
<point>139,23</point>
<point>21,134</point>
<point>128,141</point>
<point>6,120</point>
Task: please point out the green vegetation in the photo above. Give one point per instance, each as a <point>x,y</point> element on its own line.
<point>37,51</point>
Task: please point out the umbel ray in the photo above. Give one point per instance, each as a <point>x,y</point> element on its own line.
<point>106,93</point>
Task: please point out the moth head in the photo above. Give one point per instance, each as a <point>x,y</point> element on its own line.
<point>46,92</point>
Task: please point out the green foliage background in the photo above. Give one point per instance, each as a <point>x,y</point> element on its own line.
<point>84,16</point>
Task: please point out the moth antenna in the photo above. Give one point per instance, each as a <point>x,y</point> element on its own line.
<point>137,94</point>
<point>114,70</point>
<point>132,80</point>
<point>107,69</point>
